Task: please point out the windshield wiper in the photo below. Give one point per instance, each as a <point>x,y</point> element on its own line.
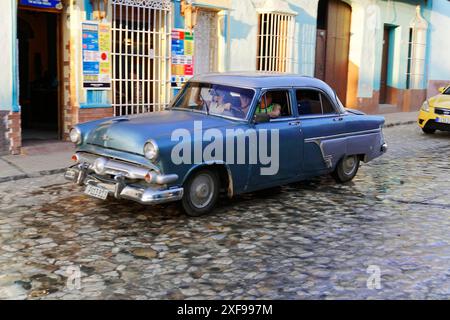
<point>204,102</point>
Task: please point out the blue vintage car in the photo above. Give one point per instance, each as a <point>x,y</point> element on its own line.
<point>225,133</point>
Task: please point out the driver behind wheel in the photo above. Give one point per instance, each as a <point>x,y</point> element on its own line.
<point>220,102</point>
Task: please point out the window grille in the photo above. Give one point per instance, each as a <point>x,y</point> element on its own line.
<point>416,60</point>
<point>275,42</point>
<point>417,47</point>
<point>140,55</point>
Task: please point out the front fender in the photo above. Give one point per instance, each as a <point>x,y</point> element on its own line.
<point>224,170</point>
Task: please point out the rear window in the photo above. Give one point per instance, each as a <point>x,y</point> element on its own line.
<point>313,102</point>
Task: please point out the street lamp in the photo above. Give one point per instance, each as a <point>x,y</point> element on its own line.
<point>100,9</point>
<point>190,14</point>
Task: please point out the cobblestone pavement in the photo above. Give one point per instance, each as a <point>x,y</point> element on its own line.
<point>309,240</point>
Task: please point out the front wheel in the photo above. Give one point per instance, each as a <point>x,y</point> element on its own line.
<point>428,131</point>
<point>201,193</point>
<point>346,169</point>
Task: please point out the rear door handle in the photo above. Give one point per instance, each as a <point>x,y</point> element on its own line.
<point>294,123</point>
<point>338,119</point>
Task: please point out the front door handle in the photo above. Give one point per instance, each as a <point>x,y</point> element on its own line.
<point>338,119</point>
<point>294,123</point>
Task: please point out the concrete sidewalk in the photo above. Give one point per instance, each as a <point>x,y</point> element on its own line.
<point>400,118</point>
<point>28,166</point>
<point>51,158</point>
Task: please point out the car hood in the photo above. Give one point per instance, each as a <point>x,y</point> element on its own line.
<point>130,133</point>
<point>440,101</point>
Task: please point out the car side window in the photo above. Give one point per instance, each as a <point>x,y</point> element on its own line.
<point>276,103</point>
<point>313,102</point>
<point>327,107</point>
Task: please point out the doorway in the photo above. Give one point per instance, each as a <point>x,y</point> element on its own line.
<point>206,42</point>
<point>333,44</point>
<point>387,34</point>
<point>39,76</point>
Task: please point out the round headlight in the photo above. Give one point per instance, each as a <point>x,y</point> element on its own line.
<point>75,135</point>
<point>425,106</point>
<point>151,150</point>
<point>99,165</point>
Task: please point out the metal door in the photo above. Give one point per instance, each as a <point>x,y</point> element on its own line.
<point>141,55</point>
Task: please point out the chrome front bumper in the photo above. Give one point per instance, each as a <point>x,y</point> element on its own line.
<point>114,176</point>
<point>384,147</point>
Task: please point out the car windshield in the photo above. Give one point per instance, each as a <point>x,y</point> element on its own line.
<point>447,91</point>
<point>215,99</point>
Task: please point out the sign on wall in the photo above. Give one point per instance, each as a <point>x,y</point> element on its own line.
<point>96,51</point>
<point>182,57</point>
<point>44,4</point>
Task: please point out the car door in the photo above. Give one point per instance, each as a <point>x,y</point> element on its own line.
<point>323,128</point>
<point>285,132</point>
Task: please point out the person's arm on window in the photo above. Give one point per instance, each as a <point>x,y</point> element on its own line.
<point>276,111</point>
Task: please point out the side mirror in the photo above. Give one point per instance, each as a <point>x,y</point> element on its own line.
<point>441,89</point>
<point>261,118</point>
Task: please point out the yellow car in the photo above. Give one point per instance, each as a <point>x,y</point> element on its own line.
<point>435,112</point>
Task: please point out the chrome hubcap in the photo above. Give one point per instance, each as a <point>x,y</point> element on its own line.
<point>202,191</point>
<point>349,165</point>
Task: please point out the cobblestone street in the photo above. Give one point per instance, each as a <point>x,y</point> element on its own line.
<point>310,240</point>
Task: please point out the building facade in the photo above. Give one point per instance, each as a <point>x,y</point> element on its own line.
<point>71,61</point>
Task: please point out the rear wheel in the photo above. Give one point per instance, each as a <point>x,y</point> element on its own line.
<point>201,193</point>
<point>346,169</point>
<point>428,131</point>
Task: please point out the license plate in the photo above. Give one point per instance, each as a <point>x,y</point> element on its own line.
<point>70,174</point>
<point>96,192</point>
<point>443,120</point>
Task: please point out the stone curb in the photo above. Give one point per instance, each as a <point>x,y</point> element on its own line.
<point>399,123</point>
<point>32,175</point>
<point>61,170</point>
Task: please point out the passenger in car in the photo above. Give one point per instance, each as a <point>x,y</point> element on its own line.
<point>266,106</point>
<point>241,106</point>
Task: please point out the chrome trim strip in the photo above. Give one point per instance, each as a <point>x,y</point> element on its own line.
<point>328,159</point>
<point>342,135</point>
<point>321,116</point>
<point>150,165</point>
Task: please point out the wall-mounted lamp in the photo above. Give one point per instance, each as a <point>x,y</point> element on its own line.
<point>100,8</point>
<point>189,12</point>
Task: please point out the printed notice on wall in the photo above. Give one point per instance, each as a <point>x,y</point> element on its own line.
<point>44,4</point>
<point>182,57</point>
<point>96,55</point>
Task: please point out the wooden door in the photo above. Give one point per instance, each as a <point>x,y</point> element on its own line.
<point>384,66</point>
<point>338,44</point>
<point>321,51</point>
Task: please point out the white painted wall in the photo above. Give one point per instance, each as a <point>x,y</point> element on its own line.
<point>244,28</point>
<point>7,21</point>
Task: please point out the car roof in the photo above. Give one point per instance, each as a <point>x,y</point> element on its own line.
<point>258,80</point>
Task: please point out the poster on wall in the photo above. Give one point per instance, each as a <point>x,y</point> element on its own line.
<point>96,51</point>
<point>182,57</point>
<point>43,4</point>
